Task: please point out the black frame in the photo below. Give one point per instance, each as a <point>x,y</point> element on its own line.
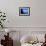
<point>24,14</point>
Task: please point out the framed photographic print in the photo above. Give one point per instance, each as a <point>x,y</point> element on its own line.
<point>24,11</point>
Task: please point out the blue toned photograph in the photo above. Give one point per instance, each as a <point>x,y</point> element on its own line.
<point>24,11</point>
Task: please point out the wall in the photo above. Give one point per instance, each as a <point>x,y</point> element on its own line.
<point>37,19</point>
<point>35,22</point>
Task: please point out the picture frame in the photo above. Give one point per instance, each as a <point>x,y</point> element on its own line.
<point>24,11</point>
